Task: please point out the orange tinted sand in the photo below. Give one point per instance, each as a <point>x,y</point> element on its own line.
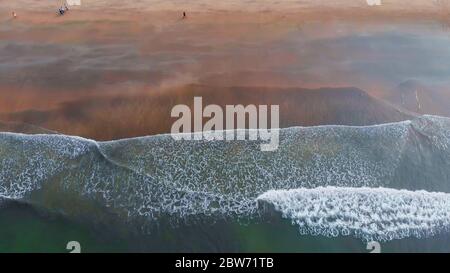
<point>116,67</point>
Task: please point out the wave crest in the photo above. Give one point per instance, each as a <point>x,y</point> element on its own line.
<point>369,213</point>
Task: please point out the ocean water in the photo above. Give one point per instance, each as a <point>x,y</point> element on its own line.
<point>386,182</point>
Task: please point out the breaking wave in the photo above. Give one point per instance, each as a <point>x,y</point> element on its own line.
<point>370,213</point>
<point>155,176</point>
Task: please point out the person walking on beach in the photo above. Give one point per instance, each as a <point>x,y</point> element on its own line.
<point>14,14</point>
<point>184,15</point>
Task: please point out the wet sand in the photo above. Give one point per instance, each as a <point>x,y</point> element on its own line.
<point>122,68</point>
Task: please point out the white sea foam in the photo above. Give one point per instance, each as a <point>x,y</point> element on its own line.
<point>369,213</point>
<point>152,176</point>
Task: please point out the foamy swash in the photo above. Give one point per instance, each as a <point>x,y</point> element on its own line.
<point>369,213</point>
<point>156,176</point>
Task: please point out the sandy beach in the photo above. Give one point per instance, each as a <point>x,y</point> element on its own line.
<point>233,5</point>
<point>102,61</point>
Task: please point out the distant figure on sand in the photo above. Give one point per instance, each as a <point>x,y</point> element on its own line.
<point>184,14</point>
<point>61,11</point>
<point>14,14</point>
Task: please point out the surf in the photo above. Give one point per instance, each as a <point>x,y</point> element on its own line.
<point>147,179</point>
<point>379,214</point>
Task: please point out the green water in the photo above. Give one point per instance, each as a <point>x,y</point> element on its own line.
<point>24,228</point>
